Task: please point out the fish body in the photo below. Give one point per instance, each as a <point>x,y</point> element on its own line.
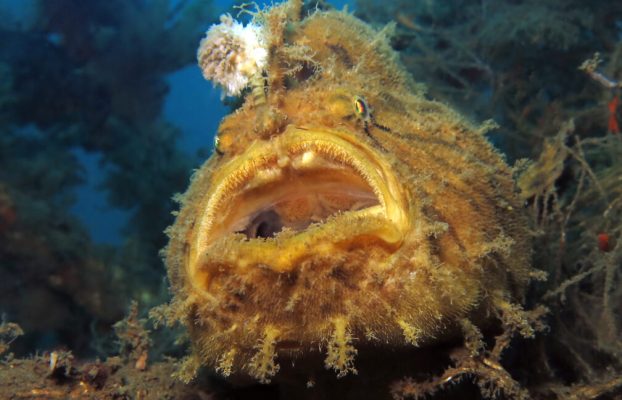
<point>344,210</point>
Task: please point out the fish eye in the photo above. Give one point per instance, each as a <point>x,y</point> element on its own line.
<point>361,108</point>
<point>217,145</point>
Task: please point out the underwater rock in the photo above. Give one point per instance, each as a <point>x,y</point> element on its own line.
<point>45,377</point>
<point>342,212</point>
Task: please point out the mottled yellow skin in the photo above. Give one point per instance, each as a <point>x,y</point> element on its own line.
<point>447,239</point>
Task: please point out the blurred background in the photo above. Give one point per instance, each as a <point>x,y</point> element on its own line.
<point>104,115</point>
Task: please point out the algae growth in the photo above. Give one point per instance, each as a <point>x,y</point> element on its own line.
<point>530,66</point>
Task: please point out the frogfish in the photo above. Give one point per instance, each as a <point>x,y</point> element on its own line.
<point>342,209</point>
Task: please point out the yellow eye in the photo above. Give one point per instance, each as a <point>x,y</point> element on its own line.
<point>361,108</point>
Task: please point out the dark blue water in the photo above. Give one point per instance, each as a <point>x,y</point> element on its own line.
<point>192,105</point>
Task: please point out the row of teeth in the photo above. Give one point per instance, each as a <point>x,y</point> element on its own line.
<point>307,160</point>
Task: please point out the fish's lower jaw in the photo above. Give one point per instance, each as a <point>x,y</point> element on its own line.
<point>288,250</point>
<point>337,301</point>
<point>302,194</point>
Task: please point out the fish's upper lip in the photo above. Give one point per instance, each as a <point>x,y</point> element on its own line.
<point>262,158</point>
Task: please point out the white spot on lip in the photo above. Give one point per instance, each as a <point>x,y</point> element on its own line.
<point>308,160</point>
<point>308,157</point>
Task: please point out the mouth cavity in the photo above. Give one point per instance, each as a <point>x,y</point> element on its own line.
<point>299,190</point>
<point>301,194</point>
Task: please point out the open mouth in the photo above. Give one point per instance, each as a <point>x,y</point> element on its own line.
<point>303,188</point>
<point>298,198</point>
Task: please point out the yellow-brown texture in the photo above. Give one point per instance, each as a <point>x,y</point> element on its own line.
<point>448,241</point>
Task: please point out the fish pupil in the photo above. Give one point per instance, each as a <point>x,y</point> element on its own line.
<point>361,108</point>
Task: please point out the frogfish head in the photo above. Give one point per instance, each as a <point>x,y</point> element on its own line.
<point>342,210</point>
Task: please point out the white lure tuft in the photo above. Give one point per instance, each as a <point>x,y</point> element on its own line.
<point>231,53</point>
